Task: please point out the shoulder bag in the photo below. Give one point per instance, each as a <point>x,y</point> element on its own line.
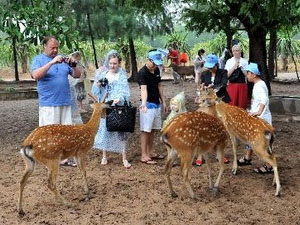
<point>121,118</point>
<point>237,76</point>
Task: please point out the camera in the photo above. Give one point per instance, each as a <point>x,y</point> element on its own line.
<point>103,81</point>
<point>67,60</point>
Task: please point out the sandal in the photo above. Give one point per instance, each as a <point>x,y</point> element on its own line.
<point>226,160</point>
<point>126,164</point>
<point>157,157</point>
<point>104,161</point>
<point>244,162</point>
<point>68,163</point>
<point>264,169</point>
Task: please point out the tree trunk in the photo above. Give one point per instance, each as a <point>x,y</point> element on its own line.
<point>134,72</point>
<point>229,40</point>
<point>92,38</point>
<point>15,58</point>
<point>24,57</point>
<point>258,53</point>
<point>272,50</point>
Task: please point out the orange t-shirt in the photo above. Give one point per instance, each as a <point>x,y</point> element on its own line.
<point>184,57</point>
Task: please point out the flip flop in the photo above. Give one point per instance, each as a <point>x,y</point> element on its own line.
<point>157,157</point>
<point>149,162</point>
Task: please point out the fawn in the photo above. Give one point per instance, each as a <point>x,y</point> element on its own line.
<point>189,133</point>
<point>249,129</point>
<point>50,144</point>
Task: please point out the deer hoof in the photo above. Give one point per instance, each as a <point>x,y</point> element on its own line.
<point>21,213</point>
<point>215,191</point>
<point>234,171</point>
<point>174,195</point>
<point>277,194</point>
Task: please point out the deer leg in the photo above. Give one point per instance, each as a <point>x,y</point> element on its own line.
<point>172,155</point>
<point>186,163</point>
<point>220,154</point>
<point>234,150</point>
<point>30,165</point>
<point>53,167</point>
<point>270,159</point>
<point>81,163</point>
<point>208,166</point>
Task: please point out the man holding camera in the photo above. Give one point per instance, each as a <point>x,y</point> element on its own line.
<point>51,72</point>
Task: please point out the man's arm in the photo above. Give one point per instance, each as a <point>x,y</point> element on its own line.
<point>162,98</point>
<point>144,96</point>
<point>261,108</point>
<point>76,70</point>
<point>39,73</point>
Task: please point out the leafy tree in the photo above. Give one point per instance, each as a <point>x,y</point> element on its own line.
<point>25,22</point>
<point>258,18</point>
<point>211,16</point>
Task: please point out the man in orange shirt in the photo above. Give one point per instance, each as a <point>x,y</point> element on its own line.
<point>174,57</point>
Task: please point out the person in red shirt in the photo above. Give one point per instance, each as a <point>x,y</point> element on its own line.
<point>174,57</point>
<point>184,58</point>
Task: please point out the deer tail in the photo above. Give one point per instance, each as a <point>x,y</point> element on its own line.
<point>27,153</point>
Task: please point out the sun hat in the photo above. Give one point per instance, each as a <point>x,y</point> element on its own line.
<point>156,57</point>
<point>253,68</point>
<point>210,61</point>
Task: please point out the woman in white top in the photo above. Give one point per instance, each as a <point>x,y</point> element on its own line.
<point>237,88</point>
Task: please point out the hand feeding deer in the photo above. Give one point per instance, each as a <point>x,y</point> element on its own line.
<point>248,129</point>
<point>50,144</point>
<point>189,133</point>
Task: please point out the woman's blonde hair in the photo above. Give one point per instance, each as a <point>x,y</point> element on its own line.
<point>236,47</point>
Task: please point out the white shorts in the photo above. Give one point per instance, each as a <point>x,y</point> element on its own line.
<point>150,120</point>
<point>55,115</point>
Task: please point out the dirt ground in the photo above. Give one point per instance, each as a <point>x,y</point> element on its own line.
<point>139,195</point>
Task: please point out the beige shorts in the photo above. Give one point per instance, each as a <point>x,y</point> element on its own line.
<point>150,120</point>
<point>55,115</point>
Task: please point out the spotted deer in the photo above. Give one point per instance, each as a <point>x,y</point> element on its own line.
<point>187,134</point>
<point>241,126</point>
<point>51,144</point>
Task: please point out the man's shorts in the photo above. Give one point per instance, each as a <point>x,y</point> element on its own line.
<point>150,120</point>
<point>55,115</point>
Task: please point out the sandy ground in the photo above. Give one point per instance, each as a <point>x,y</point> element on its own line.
<point>139,195</point>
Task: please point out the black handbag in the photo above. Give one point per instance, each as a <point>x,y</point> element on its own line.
<point>237,76</point>
<point>121,118</point>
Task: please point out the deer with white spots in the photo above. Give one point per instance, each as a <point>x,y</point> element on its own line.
<point>190,133</point>
<point>51,144</point>
<point>249,129</point>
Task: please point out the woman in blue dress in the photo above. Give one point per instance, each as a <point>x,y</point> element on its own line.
<point>116,90</point>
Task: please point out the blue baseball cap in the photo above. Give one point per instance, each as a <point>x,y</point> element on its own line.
<point>253,68</point>
<point>156,57</point>
<point>210,61</point>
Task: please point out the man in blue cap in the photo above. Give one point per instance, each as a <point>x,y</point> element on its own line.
<point>152,102</point>
<point>259,108</point>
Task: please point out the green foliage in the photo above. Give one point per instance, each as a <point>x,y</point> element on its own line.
<point>178,40</point>
<point>218,44</point>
